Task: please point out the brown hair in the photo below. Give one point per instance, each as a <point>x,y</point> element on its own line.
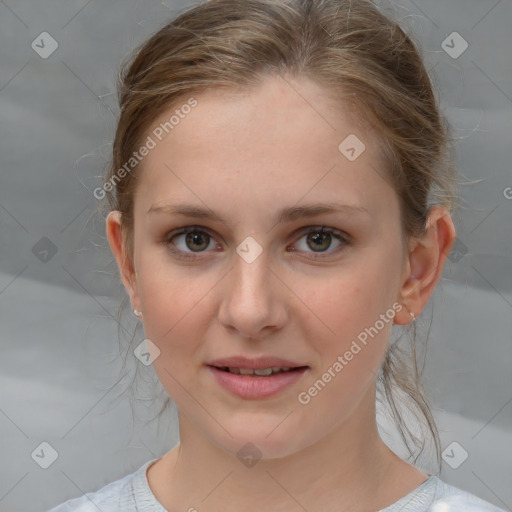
<point>351,48</point>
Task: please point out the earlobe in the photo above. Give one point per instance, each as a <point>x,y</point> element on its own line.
<point>426,260</point>
<point>124,263</point>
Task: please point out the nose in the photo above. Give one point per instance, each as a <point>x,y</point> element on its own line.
<point>254,298</point>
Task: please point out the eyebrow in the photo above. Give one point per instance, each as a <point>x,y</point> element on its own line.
<point>285,215</point>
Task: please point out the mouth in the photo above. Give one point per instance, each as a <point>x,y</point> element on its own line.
<point>259,372</point>
<point>256,379</point>
<point>263,365</point>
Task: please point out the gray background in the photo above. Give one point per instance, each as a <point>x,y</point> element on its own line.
<point>61,377</point>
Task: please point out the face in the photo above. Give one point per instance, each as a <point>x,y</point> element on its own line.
<point>251,281</point>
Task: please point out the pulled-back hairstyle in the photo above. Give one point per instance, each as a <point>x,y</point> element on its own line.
<point>349,47</point>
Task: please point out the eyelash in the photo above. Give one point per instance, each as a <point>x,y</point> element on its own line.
<point>342,237</point>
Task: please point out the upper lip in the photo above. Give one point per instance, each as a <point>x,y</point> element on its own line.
<point>258,363</point>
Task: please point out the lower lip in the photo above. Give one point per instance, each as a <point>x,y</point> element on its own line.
<point>254,386</point>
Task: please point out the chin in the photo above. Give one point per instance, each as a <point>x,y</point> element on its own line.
<point>251,442</point>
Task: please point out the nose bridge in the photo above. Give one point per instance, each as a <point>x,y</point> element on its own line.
<point>250,303</point>
<point>250,276</point>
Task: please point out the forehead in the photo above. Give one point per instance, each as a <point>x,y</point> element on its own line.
<point>281,136</point>
<point>276,109</point>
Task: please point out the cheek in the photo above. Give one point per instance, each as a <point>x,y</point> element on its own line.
<point>173,310</point>
<point>348,300</point>
<point>172,315</point>
<point>350,315</point>
<point>176,319</point>
<point>350,343</point>
<point>170,293</point>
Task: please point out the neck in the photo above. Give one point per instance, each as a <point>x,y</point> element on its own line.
<point>348,469</point>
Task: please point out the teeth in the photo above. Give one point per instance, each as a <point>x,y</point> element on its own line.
<point>262,372</point>
<point>266,371</point>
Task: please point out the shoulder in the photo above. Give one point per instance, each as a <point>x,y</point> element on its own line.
<point>106,499</point>
<point>117,496</point>
<point>448,498</point>
<point>435,495</point>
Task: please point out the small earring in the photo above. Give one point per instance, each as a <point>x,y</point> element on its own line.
<point>413,317</point>
<point>137,313</point>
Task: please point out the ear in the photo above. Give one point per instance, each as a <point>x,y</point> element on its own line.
<point>425,261</point>
<point>124,262</point>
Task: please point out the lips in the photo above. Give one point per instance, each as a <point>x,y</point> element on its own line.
<point>256,378</point>
<point>254,387</point>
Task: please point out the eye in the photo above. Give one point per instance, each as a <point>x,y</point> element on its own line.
<point>320,238</point>
<point>193,239</point>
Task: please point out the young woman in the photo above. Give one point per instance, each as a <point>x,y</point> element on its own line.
<point>281,194</point>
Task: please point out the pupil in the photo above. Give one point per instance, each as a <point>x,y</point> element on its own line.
<point>192,238</point>
<point>317,237</point>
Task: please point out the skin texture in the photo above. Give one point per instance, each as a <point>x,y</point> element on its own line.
<point>247,155</point>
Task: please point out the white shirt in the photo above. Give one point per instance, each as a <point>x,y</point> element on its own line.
<point>133,494</point>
